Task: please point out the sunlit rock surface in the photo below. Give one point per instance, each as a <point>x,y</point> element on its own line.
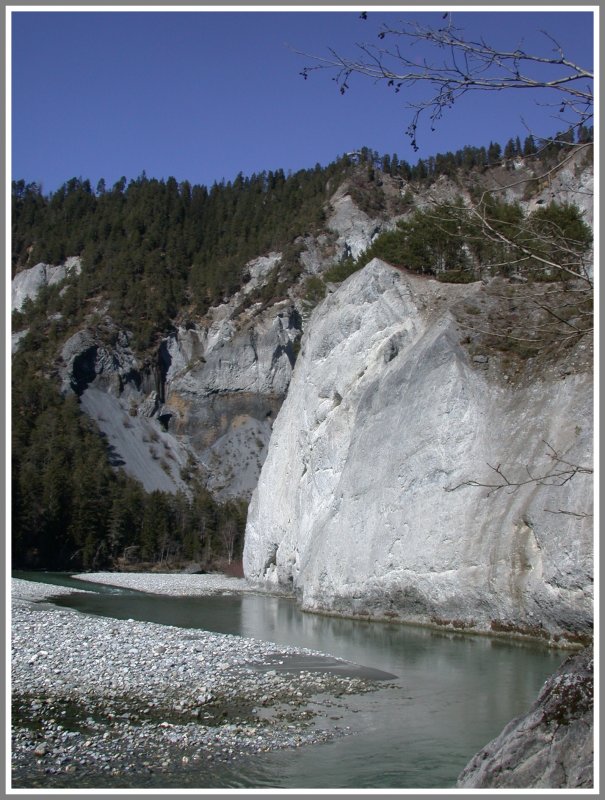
<point>27,283</point>
<point>224,386</point>
<point>205,401</point>
<point>385,413</point>
<point>355,229</point>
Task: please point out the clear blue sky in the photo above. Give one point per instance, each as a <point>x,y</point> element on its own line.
<point>204,95</point>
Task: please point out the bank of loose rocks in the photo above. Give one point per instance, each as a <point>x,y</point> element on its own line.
<point>173,584</point>
<point>103,702</point>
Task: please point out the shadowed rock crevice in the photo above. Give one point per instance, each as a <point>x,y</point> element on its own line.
<point>83,371</point>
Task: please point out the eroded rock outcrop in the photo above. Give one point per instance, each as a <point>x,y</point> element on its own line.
<point>225,383</point>
<point>354,228</point>
<point>121,393</point>
<point>386,411</point>
<point>213,388</point>
<point>27,284</point>
<point>205,401</point>
<point>551,747</point>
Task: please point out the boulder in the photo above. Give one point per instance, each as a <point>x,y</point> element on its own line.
<point>550,747</point>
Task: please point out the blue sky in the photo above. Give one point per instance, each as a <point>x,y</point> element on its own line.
<point>204,95</point>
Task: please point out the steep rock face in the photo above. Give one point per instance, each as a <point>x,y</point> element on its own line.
<point>385,412</point>
<point>87,359</point>
<point>215,384</point>
<point>551,747</point>
<point>214,387</point>
<point>205,401</point>
<point>354,228</point>
<point>121,394</point>
<point>224,386</point>
<point>27,283</point>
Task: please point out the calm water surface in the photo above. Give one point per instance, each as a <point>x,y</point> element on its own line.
<point>453,693</point>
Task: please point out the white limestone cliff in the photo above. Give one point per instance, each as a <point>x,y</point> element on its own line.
<point>217,383</point>
<point>385,412</point>
<point>354,228</point>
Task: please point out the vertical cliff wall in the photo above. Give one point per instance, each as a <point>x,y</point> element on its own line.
<point>387,411</point>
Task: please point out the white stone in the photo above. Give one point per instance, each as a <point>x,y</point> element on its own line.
<point>384,413</point>
<point>27,283</point>
<point>354,227</point>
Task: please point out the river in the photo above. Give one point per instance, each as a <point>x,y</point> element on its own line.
<point>452,692</point>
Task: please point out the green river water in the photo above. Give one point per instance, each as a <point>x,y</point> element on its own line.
<point>453,693</point>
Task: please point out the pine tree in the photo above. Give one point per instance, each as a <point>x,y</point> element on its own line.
<point>494,153</point>
<point>510,149</point>
<point>529,146</point>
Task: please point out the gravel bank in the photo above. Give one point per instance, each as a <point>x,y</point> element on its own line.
<point>117,703</point>
<point>173,584</point>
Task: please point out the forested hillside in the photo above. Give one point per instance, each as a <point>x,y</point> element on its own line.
<point>157,253</point>
<point>156,248</point>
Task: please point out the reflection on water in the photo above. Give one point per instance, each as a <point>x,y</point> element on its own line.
<point>453,692</point>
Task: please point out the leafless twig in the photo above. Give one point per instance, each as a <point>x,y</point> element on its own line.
<point>578,514</point>
<point>452,66</point>
<point>561,473</point>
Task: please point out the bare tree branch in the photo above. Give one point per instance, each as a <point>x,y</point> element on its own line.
<point>561,473</point>
<point>458,67</point>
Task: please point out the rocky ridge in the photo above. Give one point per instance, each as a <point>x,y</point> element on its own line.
<point>205,402</point>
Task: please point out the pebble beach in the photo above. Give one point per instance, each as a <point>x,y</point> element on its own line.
<point>100,702</point>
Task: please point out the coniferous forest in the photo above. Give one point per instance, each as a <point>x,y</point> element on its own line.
<point>158,252</point>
